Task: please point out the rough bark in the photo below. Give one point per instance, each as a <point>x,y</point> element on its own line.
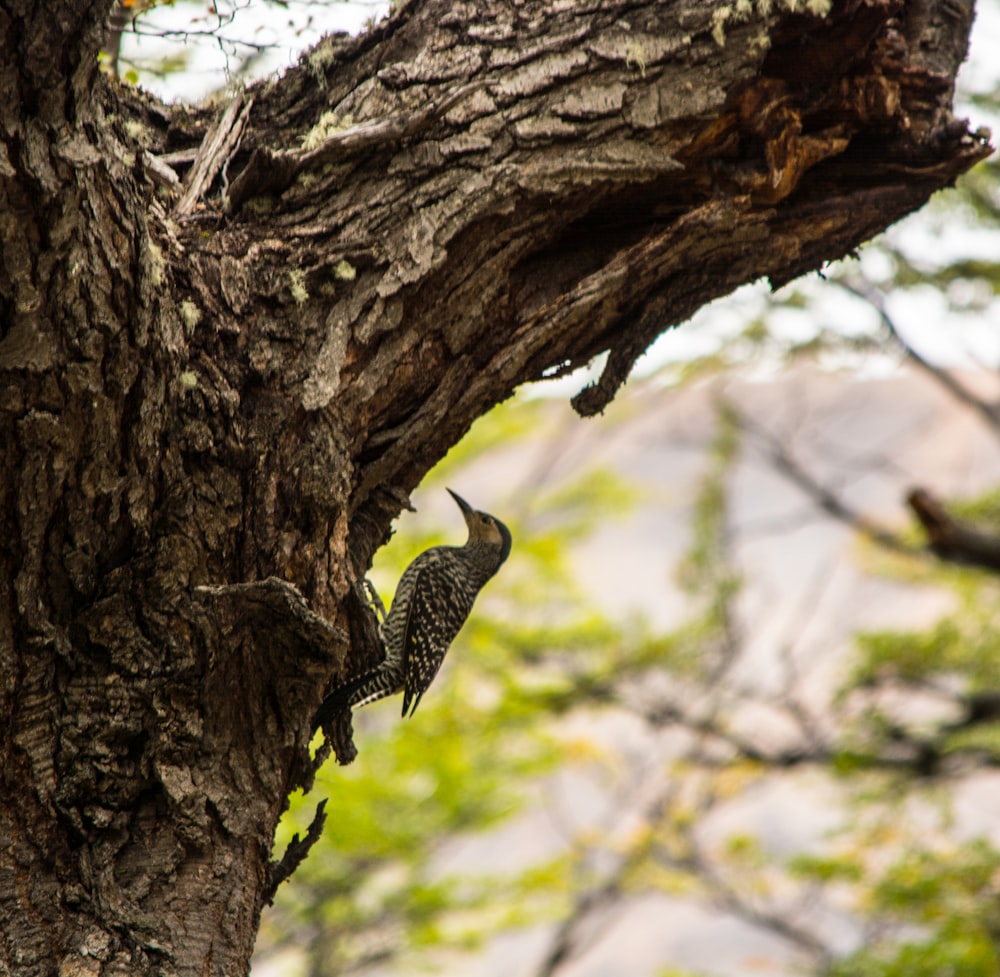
<point>221,376</point>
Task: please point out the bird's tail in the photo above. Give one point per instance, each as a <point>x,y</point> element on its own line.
<point>368,687</point>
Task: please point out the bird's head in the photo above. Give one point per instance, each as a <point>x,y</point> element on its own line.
<point>484,528</point>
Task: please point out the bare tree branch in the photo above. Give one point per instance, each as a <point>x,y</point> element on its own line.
<point>990,413</point>
<point>825,497</point>
<point>954,539</point>
<point>295,853</point>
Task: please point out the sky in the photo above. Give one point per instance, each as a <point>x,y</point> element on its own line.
<point>213,44</point>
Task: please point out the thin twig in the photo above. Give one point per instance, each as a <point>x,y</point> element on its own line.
<point>988,412</point>
<point>295,853</point>
<point>828,500</point>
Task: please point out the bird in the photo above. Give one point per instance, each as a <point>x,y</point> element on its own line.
<point>432,601</point>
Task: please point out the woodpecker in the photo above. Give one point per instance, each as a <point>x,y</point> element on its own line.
<point>433,599</point>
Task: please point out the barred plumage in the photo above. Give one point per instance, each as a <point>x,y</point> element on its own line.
<point>433,600</point>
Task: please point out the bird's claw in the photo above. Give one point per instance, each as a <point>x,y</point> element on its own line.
<point>374,600</point>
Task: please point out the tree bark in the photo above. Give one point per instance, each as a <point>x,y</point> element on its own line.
<point>233,340</point>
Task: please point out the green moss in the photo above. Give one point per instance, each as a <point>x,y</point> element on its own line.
<point>345,271</point>
<point>138,133</point>
<point>157,265</point>
<point>635,57</point>
<point>745,10</point>
<point>191,315</point>
<point>319,59</point>
<point>261,205</point>
<point>328,124</point>
<point>297,285</point>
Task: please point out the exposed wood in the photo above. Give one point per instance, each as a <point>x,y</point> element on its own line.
<point>216,149</point>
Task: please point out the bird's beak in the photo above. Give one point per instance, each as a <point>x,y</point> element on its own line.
<point>467,509</point>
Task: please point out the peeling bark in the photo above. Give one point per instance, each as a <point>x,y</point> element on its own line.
<point>233,341</point>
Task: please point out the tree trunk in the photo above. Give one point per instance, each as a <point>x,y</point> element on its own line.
<point>216,391</point>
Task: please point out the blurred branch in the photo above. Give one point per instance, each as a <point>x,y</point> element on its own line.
<point>980,707</point>
<point>729,898</point>
<point>825,497</point>
<point>592,907</point>
<point>711,573</point>
<point>874,297</point>
<point>952,539</point>
<point>132,16</point>
<point>710,727</point>
<point>118,23</point>
<point>897,749</point>
<point>567,943</point>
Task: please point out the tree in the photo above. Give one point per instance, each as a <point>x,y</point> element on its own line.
<point>234,338</point>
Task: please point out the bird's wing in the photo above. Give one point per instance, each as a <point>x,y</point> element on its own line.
<point>436,613</point>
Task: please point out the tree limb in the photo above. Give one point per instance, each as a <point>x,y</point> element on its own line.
<point>295,853</point>
<point>954,539</point>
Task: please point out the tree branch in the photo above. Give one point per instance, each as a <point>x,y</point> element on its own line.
<point>295,854</point>
<point>953,539</point>
<point>988,412</point>
<point>217,148</point>
<point>825,497</point>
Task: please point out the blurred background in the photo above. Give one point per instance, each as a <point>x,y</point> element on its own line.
<point>724,711</point>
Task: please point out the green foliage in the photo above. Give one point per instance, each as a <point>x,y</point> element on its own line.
<point>910,656</point>
<point>984,509</point>
<point>939,914</point>
<point>981,187</point>
<point>963,646</point>
<point>932,906</point>
<point>706,565</point>
<point>826,868</point>
<point>498,430</point>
